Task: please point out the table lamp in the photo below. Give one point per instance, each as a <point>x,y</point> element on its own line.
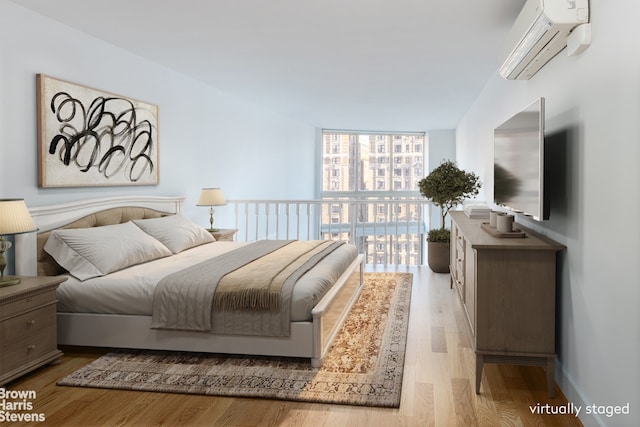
<point>14,219</point>
<point>211,197</point>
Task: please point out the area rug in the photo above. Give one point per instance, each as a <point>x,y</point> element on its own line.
<point>364,366</point>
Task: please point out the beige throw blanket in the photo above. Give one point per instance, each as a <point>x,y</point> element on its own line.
<point>257,285</point>
<point>248,278</point>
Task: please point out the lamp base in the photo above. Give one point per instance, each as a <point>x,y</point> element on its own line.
<point>9,281</point>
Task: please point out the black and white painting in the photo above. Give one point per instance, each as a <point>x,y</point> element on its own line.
<point>87,137</point>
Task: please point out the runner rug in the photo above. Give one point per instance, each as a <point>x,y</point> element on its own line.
<point>363,367</point>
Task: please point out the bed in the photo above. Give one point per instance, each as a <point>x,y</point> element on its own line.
<point>98,309</point>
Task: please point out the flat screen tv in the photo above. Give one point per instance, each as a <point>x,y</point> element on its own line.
<point>518,168</point>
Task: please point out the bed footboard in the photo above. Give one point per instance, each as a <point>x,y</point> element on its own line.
<point>329,314</point>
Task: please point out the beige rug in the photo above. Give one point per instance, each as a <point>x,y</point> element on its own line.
<point>364,365</point>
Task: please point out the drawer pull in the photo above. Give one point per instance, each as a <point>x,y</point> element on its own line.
<point>31,347</point>
<point>31,322</point>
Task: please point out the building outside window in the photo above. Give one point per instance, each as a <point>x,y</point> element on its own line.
<point>374,166</point>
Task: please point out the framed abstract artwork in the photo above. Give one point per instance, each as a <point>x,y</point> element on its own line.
<point>87,137</point>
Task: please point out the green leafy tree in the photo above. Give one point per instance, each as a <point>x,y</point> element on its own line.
<point>448,186</point>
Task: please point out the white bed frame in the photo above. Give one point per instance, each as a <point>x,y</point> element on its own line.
<point>308,339</point>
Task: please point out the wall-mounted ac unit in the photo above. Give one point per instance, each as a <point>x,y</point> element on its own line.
<point>539,33</point>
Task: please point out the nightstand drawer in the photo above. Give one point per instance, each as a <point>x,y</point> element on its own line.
<point>225,238</point>
<point>224,234</point>
<point>28,323</point>
<point>28,303</point>
<point>29,348</point>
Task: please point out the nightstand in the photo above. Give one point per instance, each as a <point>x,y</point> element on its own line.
<point>28,332</point>
<point>224,234</point>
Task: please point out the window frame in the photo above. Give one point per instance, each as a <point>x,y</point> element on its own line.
<point>388,154</point>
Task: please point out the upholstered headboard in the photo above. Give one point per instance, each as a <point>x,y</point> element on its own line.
<point>31,259</point>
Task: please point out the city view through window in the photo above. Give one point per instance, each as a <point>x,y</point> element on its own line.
<point>373,179</point>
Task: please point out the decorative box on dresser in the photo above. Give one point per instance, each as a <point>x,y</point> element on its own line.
<point>28,332</point>
<point>507,287</point>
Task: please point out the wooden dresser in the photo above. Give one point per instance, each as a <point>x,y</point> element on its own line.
<point>507,287</point>
<point>28,333</point>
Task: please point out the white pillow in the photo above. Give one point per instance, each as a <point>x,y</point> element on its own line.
<point>96,251</point>
<point>175,232</point>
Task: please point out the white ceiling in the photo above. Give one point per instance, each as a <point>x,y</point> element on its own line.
<point>342,64</point>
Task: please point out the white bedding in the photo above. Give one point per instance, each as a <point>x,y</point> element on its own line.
<point>130,291</point>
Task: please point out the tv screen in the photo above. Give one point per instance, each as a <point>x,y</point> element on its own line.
<point>518,168</point>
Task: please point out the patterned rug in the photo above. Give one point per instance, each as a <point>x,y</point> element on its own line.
<point>363,367</point>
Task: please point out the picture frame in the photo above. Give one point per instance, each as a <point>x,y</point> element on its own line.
<point>88,137</point>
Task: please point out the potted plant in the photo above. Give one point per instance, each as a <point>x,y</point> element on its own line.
<point>446,187</point>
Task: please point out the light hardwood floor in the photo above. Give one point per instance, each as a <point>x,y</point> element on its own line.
<point>437,386</point>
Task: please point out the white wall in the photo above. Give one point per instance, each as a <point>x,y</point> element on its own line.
<point>592,115</point>
<point>207,138</point>
<point>442,146</point>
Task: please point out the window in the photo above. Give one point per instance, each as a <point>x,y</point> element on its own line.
<point>369,175</point>
<point>366,163</point>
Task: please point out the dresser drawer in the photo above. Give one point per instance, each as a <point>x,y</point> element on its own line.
<point>460,247</point>
<point>28,348</point>
<point>27,303</point>
<point>28,323</point>
<point>460,274</point>
<point>460,281</point>
<point>459,256</point>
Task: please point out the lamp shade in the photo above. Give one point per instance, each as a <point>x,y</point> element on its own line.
<point>15,217</point>
<point>211,197</point>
